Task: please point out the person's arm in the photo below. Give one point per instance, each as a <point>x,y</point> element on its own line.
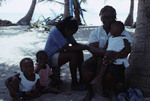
<point>34,93</point>
<point>76,47</point>
<point>112,55</point>
<point>95,50</point>
<point>8,83</point>
<point>125,51</point>
<point>37,68</point>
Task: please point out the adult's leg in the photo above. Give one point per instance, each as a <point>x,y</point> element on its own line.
<point>73,59</point>
<point>80,61</point>
<point>89,70</point>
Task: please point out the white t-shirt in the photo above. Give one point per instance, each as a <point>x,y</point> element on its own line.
<point>117,44</point>
<point>99,35</point>
<point>26,85</point>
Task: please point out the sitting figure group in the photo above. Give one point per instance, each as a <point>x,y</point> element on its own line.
<point>32,81</point>
<point>109,45</point>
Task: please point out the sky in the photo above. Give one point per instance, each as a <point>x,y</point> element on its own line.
<point>13,10</point>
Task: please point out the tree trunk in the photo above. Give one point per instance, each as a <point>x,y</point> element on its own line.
<point>129,20</point>
<point>66,9</point>
<point>77,12</point>
<point>27,18</point>
<point>138,74</point>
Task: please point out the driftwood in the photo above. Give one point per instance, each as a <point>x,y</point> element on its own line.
<point>47,22</point>
<point>54,21</point>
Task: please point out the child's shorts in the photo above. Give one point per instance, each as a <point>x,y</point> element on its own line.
<point>118,72</point>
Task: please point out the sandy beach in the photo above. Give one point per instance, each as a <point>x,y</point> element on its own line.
<point>17,42</point>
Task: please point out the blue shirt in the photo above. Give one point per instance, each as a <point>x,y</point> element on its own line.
<point>55,42</point>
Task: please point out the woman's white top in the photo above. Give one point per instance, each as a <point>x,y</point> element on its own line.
<point>26,85</point>
<point>100,35</point>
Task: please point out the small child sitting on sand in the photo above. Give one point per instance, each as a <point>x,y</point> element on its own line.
<point>24,85</point>
<point>45,73</point>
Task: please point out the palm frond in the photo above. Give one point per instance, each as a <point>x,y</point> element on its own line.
<point>84,1</point>
<point>1,1</point>
<point>52,1</point>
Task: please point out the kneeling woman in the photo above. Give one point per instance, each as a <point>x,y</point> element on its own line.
<point>61,48</point>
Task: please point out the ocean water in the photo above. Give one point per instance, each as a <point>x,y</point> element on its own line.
<point>91,19</point>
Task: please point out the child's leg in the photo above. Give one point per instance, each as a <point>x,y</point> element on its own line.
<point>109,87</point>
<point>100,75</point>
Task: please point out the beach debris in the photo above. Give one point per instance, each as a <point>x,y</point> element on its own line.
<point>47,23</point>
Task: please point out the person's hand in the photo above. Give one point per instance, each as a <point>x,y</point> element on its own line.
<point>41,65</point>
<point>110,55</point>
<point>29,93</point>
<point>86,47</point>
<point>13,93</point>
<point>106,61</point>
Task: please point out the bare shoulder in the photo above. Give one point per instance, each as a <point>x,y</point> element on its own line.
<point>17,76</point>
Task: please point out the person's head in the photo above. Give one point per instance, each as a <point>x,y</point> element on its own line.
<point>68,26</point>
<point>107,15</point>
<point>117,28</point>
<point>41,57</point>
<point>26,65</point>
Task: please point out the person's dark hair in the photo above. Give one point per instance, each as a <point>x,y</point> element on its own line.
<point>25,60</point>
<point>120,25</point>
<point>69,22</point>
<point>40,53</point>
<point>107,8</point>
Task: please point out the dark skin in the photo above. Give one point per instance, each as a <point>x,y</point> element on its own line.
<point>41,64</point>
<point>12,83</point>
<point>42,61</point>
<point>115,31</point>
<point>107,19</point>
<point>73,54</point>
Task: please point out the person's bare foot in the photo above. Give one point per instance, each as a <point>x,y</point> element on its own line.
<point>95,81</point>
<point>89,95</point>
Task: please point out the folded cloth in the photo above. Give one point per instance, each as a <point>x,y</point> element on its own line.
<point>123,97</point>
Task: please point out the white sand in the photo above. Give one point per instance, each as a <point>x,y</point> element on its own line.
<point>17,42</point>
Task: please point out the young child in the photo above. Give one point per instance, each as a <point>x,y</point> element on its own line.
<point>44,72</point>
<point>115,43</point>
<point>24,85</point>
<point>61,47</point>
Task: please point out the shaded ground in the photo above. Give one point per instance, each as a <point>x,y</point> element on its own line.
<point>17,42</point>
